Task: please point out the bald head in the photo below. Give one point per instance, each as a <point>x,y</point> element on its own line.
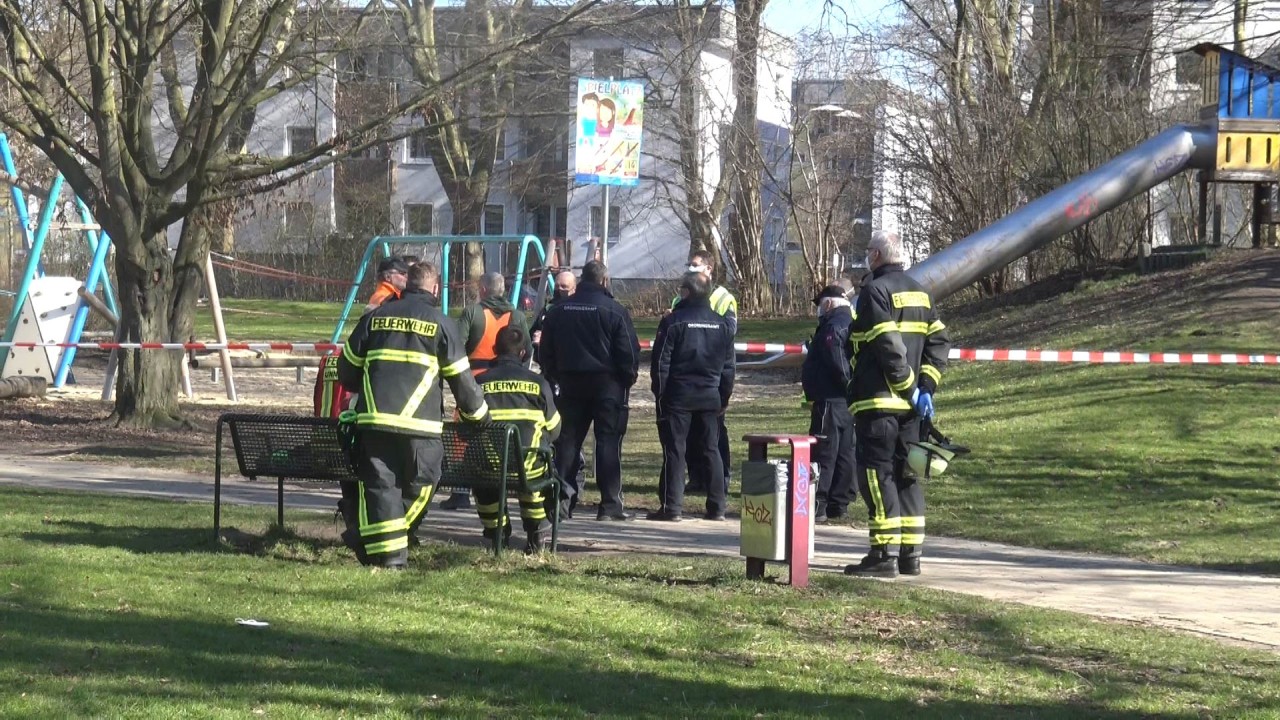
<point>566,283</point>
<point>492,284</point>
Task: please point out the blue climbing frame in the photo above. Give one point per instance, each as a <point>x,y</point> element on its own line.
<point>384,243</point>
<point>99,245</point>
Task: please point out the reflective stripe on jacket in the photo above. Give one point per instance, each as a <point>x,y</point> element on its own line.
<point>897,342</point>
<point>396,358</point>
<point>524,399</point>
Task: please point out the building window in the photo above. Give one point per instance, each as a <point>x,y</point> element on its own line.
<point>1187,71</point>
<point>359,68</point>
<point>494,219</point>
<point>299,219</point>
<point>419,219</point>
<point>563,141</point>
<point>301,139</point>
<point>419,146</point>
<point>608,63</point>
<point>615,222</point>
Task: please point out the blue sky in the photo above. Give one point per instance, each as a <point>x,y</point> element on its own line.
<point>789,17</point>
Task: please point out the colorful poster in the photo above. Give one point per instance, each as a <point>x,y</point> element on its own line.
<point>610,117</point>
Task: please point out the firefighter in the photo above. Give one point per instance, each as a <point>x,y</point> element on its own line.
<point>691,371</point>
<point>393,273</point>
<point>899,349</point>
<point>726,305</point>
<point>824,377</point>
<point>523,398</point>
<point>590,351</point>
<point>480,324</point>
<point>395,357</point>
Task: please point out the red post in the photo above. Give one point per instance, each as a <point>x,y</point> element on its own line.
<point>799,488</point>
<point>798,491</point>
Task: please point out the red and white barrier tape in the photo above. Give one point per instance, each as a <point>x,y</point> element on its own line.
<point>1112,357</point>
<point>752,348</point>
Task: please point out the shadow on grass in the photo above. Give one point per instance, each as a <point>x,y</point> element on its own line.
<point>284,543</point>
<point>148,452</point>
<point>194,663</point>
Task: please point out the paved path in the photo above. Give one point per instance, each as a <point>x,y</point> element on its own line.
<point>1233,607</point>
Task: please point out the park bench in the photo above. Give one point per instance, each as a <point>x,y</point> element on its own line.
<point>489,456</point>
<point>303,448</point>
<point>298,448</point>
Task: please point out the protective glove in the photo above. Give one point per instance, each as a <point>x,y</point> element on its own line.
<point>923,403</point>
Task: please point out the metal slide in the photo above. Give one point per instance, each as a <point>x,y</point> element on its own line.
<point>1031,226</point>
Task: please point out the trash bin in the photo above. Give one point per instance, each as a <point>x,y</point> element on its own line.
<point>764,509</point>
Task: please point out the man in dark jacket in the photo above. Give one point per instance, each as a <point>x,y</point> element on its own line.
<point>395,358</point>
<point>566,284</point>
<point>590,350</point>
<point>523,398</point>
<point>691,371</point>
<point>824,377</point>
<point>899,348</point>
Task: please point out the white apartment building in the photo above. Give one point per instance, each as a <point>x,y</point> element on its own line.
<point>648,239</point>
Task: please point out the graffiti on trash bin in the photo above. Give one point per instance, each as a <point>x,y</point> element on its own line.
<point>760,513</point>
<point>802,489</point>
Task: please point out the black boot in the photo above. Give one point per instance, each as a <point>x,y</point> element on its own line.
<point>457,501</point>
<point>878,563</point>
<point>537,542</point>
<point>820,513</point>
<point>909,560</point>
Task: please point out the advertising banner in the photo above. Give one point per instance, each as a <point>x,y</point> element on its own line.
<point>610,118</point>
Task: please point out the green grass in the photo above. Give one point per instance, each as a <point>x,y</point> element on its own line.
<point>113,607</point>
<point>264,320</point>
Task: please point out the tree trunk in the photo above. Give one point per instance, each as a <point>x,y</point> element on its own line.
<point>204,227</point>
<point>746,246</point>
<point>468,215</point>
<point>147,380</point>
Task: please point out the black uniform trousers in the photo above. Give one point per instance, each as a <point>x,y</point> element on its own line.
<point>599,402</point>
<point>894,496</point>
<point>693,431</point>
<point>533,510</point>
<point>699,470</point>
<point>832,421</point>
<point>398,474</point>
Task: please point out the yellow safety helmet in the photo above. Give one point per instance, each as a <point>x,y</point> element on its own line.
<point>933,454</point>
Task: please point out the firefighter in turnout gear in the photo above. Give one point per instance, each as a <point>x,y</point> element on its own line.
<point>726,306</point>
<point>899,349</point>
<point>396,358</point>
<point>480,324</point>
<point>523,398</point>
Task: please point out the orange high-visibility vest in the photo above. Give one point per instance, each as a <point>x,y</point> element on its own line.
<point>383,292</point>
<point>484,354</point>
